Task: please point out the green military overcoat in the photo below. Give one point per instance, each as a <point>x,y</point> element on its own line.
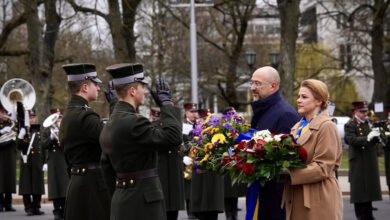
<point>57,176</point>
<point>170,171</point>
<point>31,174</point>
<point>132,142</point>
<point>87,196</point>
<point>363,163</point>
<point>207,192</point>
<point>7,164</point>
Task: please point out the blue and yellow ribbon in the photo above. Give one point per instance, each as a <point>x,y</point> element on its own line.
<point>304,126</point>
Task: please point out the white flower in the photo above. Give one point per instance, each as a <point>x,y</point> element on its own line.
<point>268,139</point>
<point>263,134</point>
<point>277,137</point>
<point>187,160</point>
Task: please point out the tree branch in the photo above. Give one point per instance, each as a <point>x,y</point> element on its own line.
<point>13,53</point>
<point>94,11</point>
<point>10,26</point>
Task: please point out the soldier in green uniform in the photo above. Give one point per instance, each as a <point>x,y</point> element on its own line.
<point>7,163</point>
<point>170,171</point>
<point>58,177</point>
<point>207,193</point>
<point>87,195</point>
<point>363,162</point>
<point>132,142</point>
<point>31,184</point>
<point>190,115</point>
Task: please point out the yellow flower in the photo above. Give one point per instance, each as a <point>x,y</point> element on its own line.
<point>196,138</point>
<point>229,135</point>
<point>209,146</point>
<point>218,137</point>
<point>205,130</point>
<point>205,158</point>
<point>235,146</point>
<point>216,129</point>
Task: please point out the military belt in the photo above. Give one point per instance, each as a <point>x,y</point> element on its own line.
<point>128,179</point>
<point>83,168</point>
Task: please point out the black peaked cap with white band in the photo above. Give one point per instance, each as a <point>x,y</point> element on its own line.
<point>125,73</point>
<point>81,71</point>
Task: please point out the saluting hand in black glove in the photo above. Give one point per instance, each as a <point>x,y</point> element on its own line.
<point>162,95</point>
<point>111,93</point>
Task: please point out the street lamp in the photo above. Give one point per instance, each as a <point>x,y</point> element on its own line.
<point>250,57</point>
<point>274,58</point>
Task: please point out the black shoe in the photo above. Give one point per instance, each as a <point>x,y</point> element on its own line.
<point>191,216</point>
<point>1,208</point>
<point>57,214</point>
<point>9,208</point>
<point>29,212</point>
<point>37,212</point>
<point>374,208</point>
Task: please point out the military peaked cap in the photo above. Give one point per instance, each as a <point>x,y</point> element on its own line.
<point>125,73</point>
<point>81,71</point>
<point>192,107</point>
<point>204,112</point>
<point>360,106</point>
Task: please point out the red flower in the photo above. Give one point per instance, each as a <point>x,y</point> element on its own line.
<point>241,145</point>
<point>251,143</point>
<point>225,160</point>
<point>238,158</point>
<point>302,154</point>
<point>237,166</point>
<point>248,168</point>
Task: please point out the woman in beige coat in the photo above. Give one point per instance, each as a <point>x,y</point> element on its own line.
<point>314,192</point>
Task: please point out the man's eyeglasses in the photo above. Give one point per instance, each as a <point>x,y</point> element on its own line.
<point>257,84</point>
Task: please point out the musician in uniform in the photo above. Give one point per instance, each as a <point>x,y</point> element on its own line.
<point>132,142</point>
<point>170,171</point>
<point>190,115</point>
<point>31,184</point>
<point>363,162</point>
<point>87,195</point>
<point>7,162</point>
<point>58,177</point>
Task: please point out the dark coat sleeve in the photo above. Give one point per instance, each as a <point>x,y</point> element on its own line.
<point>352,138</point>
<point>167,135</point>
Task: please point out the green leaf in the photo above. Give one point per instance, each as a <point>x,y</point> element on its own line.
<point>286,164</point>
<point>268,147</point>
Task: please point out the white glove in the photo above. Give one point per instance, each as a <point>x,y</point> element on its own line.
<point>52,137</point>
<point>373,133</point>
<point>5,130</point>
<point>187,160</point>
<point>22,133</point>
<point>44,167</point>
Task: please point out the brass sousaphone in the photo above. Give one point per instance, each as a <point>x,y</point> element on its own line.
<point>13,91</point>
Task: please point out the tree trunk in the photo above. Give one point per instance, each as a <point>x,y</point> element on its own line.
<point>115,22</point>
<point>41,52</point>
<point>289,18</point>
<point>377,37</point>
<point>129,13</point>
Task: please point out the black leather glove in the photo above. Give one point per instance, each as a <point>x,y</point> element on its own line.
<point>111,93</point>
<point>162,95</point>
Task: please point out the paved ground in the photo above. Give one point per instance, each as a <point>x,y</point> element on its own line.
<point>383,212</point>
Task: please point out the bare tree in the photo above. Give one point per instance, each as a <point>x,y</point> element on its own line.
<point>289,18</point>
<point>121,25</point>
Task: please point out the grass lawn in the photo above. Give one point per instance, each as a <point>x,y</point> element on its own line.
<point>345,164</point>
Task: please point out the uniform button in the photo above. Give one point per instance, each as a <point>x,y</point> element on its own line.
<point>131,181</point>
<point>361,133</point>
<point>123,183</point>
<point>83,170</point>
<point>32,152</point>
<point>117,182</point>
<point>78,170</point>
<point>363,147</point>
<point>169,152</point>
<point>54,150</point>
